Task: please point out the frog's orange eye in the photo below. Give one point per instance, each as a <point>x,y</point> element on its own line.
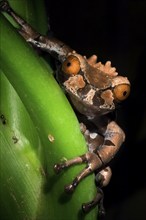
<point>71,65</point>
<point>121,92</point>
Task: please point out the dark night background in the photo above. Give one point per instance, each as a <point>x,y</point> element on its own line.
<point>115,31</point>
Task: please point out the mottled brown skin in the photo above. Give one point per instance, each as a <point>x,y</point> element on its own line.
<point>93,89</point>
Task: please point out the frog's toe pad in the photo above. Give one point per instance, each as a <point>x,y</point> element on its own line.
<point>69,188</point>
<point>58,168</point>
<point>86,208</point>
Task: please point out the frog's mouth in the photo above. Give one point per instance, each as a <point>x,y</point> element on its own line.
<point>90,100</point>
<point>91,105</point>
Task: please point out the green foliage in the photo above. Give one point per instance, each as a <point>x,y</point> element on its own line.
<point>33,108</point>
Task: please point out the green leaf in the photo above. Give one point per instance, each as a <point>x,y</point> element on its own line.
<point>21,179</point>
<point>52,116</point>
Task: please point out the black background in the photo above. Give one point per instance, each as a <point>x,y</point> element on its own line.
<point>115,31</point>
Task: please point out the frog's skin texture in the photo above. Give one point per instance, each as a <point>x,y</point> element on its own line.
<point>94,90</point>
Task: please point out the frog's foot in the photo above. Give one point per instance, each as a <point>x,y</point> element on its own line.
<point>60,166</point>
<point>97,201</point>
<point>93,163</point>
<point>102,180</point>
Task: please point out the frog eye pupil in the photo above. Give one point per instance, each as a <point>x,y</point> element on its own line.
<point>124,93</point>
<point>68,64</point>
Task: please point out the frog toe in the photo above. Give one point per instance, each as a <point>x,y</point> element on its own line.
<point>58,168</point>
<point>69,189</point>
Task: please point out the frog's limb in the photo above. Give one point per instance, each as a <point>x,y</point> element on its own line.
<point>92,161</point>
<point>56,48</point>
<point>98,200</point>
<point>102,179</point>
<point>96,161</point>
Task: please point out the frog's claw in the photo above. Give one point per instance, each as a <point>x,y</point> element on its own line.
<point>59,167</point>
<point>70,188</point>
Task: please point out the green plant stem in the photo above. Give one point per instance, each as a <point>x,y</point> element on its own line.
<point>51,115</point>
<point>21,173</point>
<point>21,179</point>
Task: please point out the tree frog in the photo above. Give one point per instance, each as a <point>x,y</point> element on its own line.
<point>94,89</point>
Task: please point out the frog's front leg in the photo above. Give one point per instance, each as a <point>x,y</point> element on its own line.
<point>102,179</point>
<point>56,48</point>
<point>97,160</point>
<point>91,159</point>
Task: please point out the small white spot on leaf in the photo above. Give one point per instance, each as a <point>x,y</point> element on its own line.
<point>51,138</point>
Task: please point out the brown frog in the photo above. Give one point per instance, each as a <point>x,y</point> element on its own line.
<point>94,90</point>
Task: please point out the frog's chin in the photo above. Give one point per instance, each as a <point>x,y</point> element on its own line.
<point>105,108</point>
<point>90,110</point>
